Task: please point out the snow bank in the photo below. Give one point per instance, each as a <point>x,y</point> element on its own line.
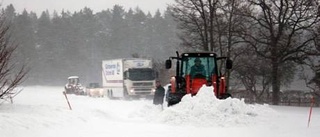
<point>43,112</point>
<point>205,109</point>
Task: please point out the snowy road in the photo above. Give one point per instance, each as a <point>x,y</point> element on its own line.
<point>43,112</point>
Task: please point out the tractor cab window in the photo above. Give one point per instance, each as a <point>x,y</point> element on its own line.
<point>73,80</point>
<point>198,67</point>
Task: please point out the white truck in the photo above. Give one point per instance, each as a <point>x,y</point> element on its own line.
<point>128,77</point>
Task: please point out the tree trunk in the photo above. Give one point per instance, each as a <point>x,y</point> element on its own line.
<point>275,82</point>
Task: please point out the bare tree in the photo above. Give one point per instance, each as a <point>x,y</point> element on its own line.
<point>196,19</point>
<point>254,76</point>
<point>281,31</point>
<point>227,26</point>
<point>10,74</point>
<point>313,82</point>
<point>314,63</point>
<point>209,25</point>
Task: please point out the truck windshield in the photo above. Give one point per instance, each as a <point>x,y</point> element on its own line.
<point>140,74</point>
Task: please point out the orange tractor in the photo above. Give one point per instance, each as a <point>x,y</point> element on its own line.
<point>193,70</point>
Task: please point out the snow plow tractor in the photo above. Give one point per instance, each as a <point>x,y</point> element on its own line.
<point>73,86</point>
<point>193,70</point>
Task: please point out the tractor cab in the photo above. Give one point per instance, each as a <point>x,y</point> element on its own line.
<point>197,71</point>
<point>73,80</point>
<point>74,86</point>
<point>193,70</point>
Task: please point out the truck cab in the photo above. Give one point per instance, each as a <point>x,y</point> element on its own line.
<point>140,81</point>
<point>128,78</point>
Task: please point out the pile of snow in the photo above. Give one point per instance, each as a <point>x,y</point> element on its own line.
<point>43,112</point>
<point>205,109</point>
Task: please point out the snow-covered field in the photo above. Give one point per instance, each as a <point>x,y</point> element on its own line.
<point>43,112</point>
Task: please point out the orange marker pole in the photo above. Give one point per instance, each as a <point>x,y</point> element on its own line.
<point>65,95</point>
<point>310,112</point>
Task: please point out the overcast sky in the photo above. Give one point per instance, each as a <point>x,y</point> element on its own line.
<point>75,5</point>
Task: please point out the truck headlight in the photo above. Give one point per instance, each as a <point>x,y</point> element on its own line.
<point>153,90</point>
<point>131,90</point>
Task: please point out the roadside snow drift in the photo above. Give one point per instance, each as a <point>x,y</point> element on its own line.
<point>205,109</point>
<point>43,112</point>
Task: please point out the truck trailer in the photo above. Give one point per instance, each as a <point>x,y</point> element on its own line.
<point>128,78</point>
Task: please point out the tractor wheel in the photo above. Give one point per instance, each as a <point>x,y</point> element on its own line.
<point>171,103</point>
<point>225,96</point>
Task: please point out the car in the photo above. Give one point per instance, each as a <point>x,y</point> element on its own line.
<point>94,90</point>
